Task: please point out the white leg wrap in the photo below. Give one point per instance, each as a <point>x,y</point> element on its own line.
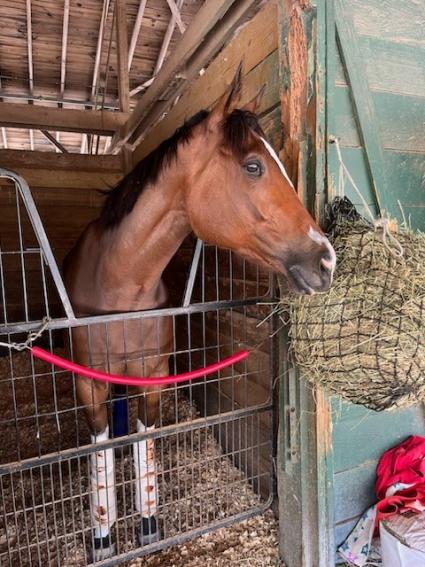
<point>102,487</point>
<point>144,473</point>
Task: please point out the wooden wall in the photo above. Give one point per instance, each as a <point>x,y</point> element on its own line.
<point>65,188</point>
<point>377,110</point>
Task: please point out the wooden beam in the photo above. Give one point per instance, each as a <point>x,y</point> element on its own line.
<point>73,171</point>
<point>176,13</point>
<point>136,31</point>
<point>206,89</point>
<point>348,44</point>
<point>207,17</point>
<point>64,45</point>
<point>4,136</point>
<point>122,55</point>
<point>211,46</point>
<point>18,159</point>
<point>105,10</point>
<point>162,52</point>
<point>54,141</point>
<point>70,179</point>
<point>29,45</point>
<point>102,122</point>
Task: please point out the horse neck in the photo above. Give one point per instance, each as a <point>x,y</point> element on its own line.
<point>146,240</point>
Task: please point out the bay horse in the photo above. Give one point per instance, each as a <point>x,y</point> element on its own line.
<point>218,177</point>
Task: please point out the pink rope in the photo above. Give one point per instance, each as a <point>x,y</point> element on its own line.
<point>134,380</point>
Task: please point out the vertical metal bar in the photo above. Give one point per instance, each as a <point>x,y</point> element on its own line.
<point>40,233</point>
<point>192,274</point>
<point>21,255</point>
<point>3,290</point>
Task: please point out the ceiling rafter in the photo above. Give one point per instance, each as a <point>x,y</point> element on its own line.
<point>176,13</point>
<point>94,84</point>
<point>136,31</point>
<point>65,28</point>
<point>122,54</point>
<point>162,52</point>
<point>54,141</point>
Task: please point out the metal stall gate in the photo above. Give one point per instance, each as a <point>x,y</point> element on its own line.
<point>214,440</point>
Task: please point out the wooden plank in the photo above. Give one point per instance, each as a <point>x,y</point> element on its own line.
<point>405,170</point>
<point>102,122</point>
<point>390,67</point>
<point>362,102</point>
<point>54,141</point>
<point>24,159</point>
<point>209,14</point>
<point>369,433</point>
<point>67,178</point>
<point>122,55</point>
<point>136,31</point>
<point>400,119</point>
<point>64,45</point>
<point>205,90</point>
<point>401,22</point>
<point>354,490</point>
<point>216,39</point>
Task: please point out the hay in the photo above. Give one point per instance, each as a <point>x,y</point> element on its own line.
<point>364,339</point>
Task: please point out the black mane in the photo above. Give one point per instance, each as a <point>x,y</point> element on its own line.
<point>120,201</point>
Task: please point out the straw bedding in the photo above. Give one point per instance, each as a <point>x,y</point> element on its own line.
<point>208,486</point>
<point>364,340</point>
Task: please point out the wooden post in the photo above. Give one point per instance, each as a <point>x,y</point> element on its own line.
<point>300,434</point>
<point>122,55</point>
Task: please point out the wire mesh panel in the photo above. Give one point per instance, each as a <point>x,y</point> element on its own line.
<point>213,439</point>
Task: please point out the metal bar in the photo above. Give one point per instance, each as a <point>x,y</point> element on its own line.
<point>182,538</point>
<point>192,274</point>
<point>164,431</point>
<point>41,235</point>
<point>63,323</point>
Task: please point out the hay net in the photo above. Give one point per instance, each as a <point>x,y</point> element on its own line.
<point>364,339</point>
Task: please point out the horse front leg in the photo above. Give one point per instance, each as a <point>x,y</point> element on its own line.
<point>93,396</point>
<point>145,472</point>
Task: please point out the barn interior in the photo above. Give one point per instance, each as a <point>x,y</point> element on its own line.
<point>88,89</point>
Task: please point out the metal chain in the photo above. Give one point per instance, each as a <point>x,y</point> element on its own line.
<point>33,336</point>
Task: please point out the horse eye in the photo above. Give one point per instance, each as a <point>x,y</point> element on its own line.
<point>254,168</point>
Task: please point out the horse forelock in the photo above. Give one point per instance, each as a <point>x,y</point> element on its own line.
<point>237,130</point>
<point>120,201</point>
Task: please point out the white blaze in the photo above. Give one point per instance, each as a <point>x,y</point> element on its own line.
<point>277,160</point>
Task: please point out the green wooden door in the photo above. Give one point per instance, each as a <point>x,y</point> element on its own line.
<point>376,107</point>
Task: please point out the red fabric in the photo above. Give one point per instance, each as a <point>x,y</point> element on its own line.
<point>410,499</point>
<point>404,463</point>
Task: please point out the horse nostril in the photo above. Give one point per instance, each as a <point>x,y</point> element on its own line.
<point>326,263</point>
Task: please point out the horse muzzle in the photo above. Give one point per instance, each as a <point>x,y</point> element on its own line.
<point>305,280</point>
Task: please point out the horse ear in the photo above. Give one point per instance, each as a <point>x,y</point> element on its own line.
<point>229,101</point>
<point>254,104</point>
